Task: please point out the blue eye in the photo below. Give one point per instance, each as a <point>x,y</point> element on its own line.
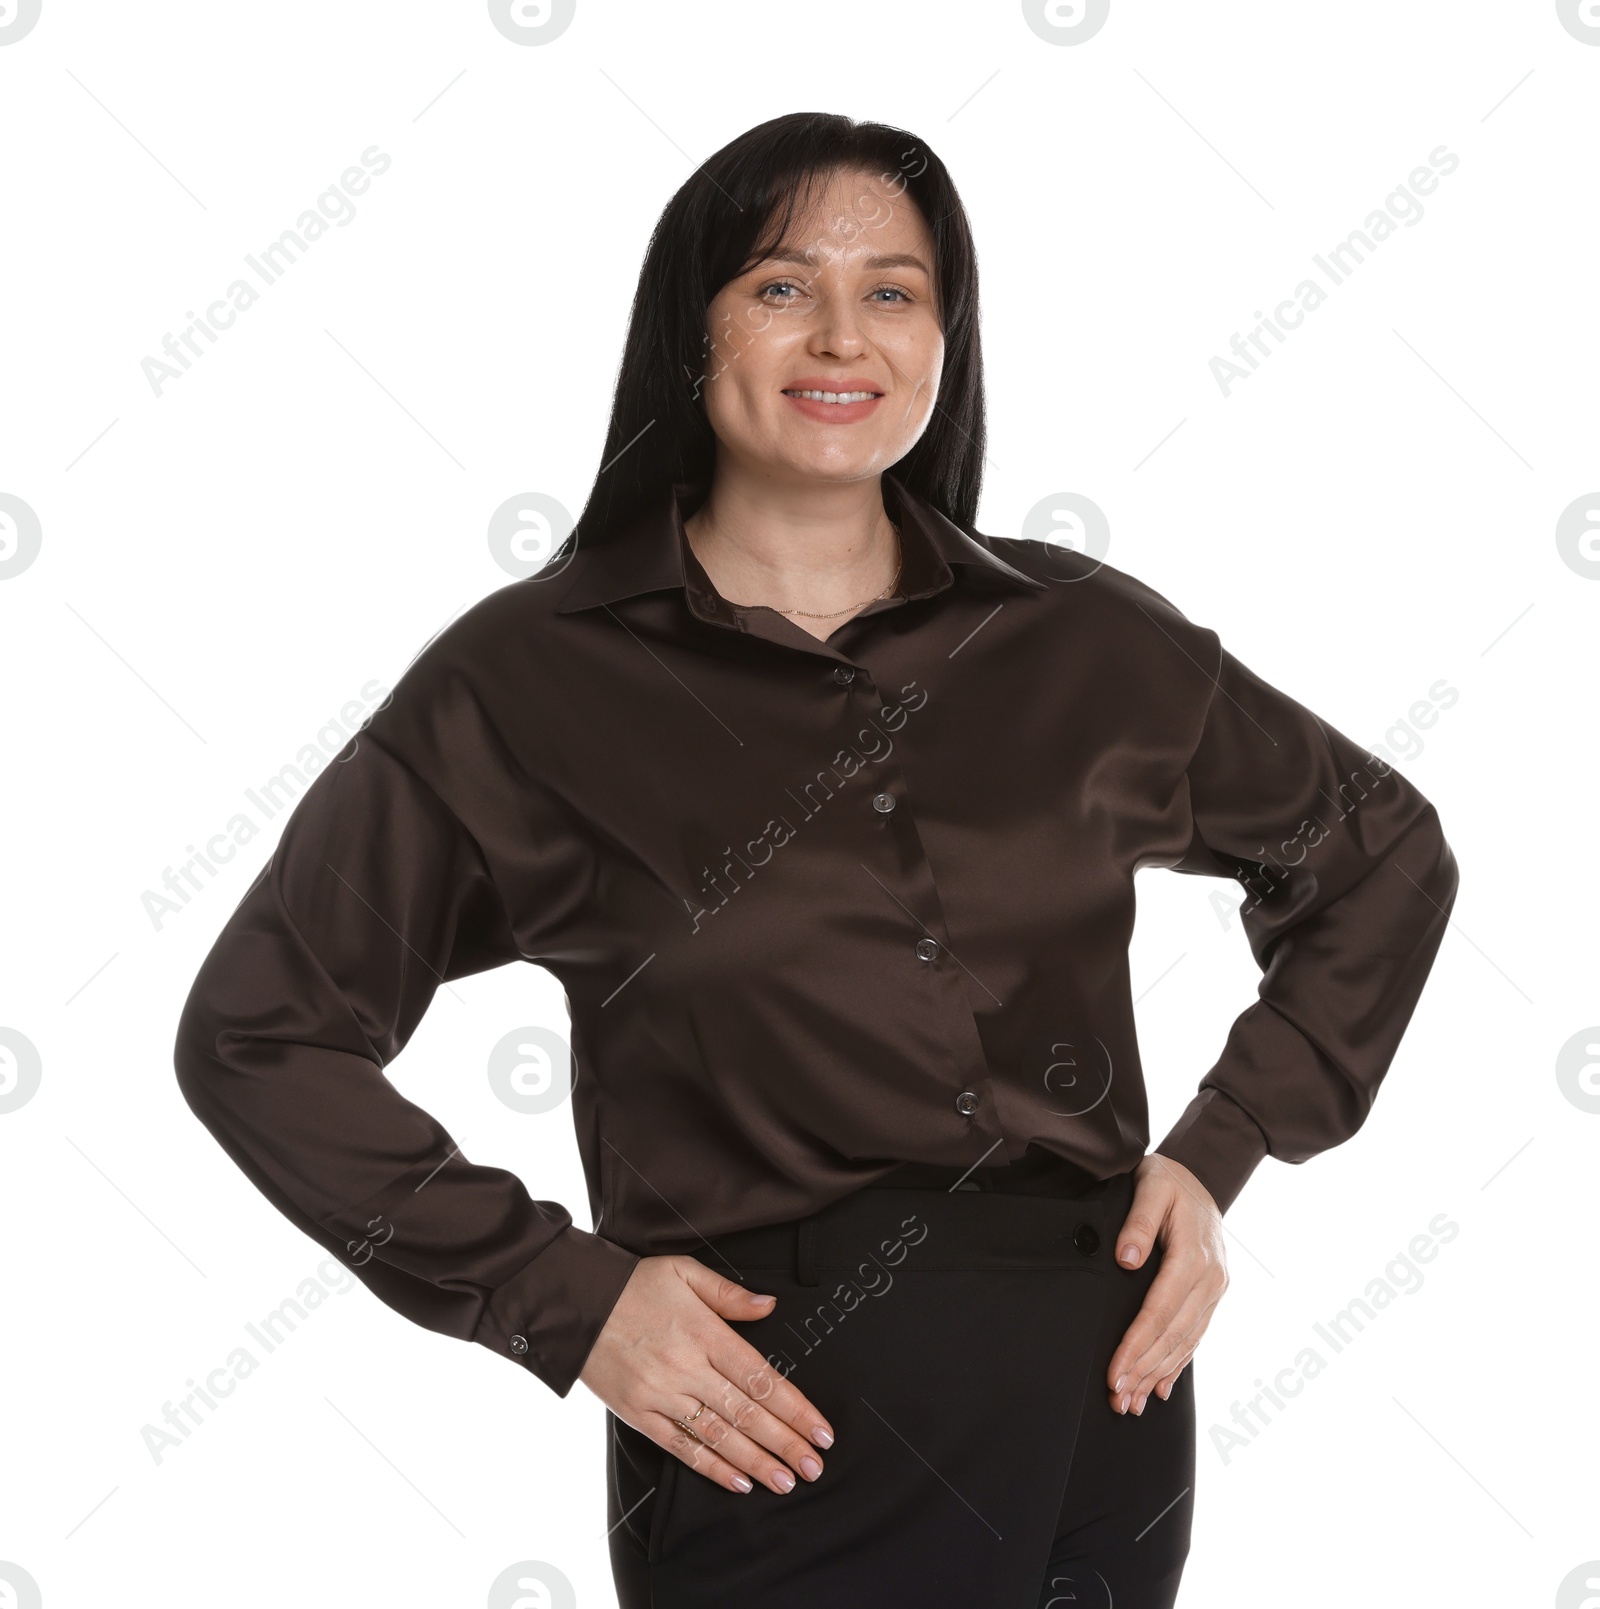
<point>789,285</point>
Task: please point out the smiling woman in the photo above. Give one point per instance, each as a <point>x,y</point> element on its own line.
<point>915,1026</point>
<point>837,389</point>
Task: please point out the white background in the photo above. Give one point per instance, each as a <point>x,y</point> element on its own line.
<point>225,566</point>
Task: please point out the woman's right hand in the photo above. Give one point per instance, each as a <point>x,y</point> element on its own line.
<point>667,1347</point>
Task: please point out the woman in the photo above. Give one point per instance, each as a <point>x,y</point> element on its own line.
<point>825,809</point>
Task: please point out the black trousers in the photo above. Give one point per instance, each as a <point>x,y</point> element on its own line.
<point>958,1342</point>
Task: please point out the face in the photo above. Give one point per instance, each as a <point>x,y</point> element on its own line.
<point>843,305</point>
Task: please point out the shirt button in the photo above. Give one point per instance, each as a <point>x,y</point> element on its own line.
<point>883,803</point>
<point>519,1344</point>
<point>966,1103</point>
<point>927,949</point>
<point>844,674</point>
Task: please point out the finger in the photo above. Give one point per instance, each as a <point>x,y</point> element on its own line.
<point>766,1387</point>
<point>763,1406</point>
<point>1173,1313</point>
<point>1152,1198</point>
<point>1165,1361</point>
<point>1165,1385</point>
<point>1182,1332</point>
<point>1162,1388</point>
<point>742,1364</point>
<point>689,1449</point>
<point>726,1297</point>
<point>1136,1395</point>
<point>1177,1276</point>
<point>1181,1335</point>
<point>1190,1261</point>
<point>727,1436</point>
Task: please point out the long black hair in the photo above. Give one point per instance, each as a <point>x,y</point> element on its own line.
<point>726,217</point>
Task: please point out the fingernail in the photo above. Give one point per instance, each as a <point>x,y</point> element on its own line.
<point>1120,1380</point>
<point>810,1468</point>
<point>1129,1255</point>
<point>742,1482</point>
<point>752,1296</point>
<point>822,1436</point>
<point>1166,1392</point>
<point>1122,1404</point>
<point>783,1480</point>
<point>1138,1407</point>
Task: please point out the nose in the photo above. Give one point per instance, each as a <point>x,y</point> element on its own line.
<point>837,331</point>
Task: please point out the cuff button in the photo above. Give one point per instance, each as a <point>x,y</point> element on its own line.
<point>519,1344</point>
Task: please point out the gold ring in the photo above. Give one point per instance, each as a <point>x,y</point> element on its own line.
<point>687,1425</point>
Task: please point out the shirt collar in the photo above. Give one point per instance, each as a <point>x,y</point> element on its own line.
<point>652,554</point>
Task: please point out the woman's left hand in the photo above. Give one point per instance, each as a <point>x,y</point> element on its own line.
<point>1170,1205</point>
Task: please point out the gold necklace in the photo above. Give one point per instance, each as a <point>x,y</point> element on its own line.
<point>813,614</point>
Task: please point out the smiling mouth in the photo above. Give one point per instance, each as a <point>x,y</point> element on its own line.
<point>835,396</point>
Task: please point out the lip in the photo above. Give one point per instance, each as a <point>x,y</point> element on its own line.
<point>833,382</point>
<point>833,413</point>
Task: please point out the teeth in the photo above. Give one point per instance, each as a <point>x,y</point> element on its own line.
<point>833,396</point>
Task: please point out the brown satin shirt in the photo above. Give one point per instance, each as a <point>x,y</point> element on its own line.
<point>819,909</point>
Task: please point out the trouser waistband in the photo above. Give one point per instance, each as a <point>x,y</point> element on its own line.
<point>934,1227</point>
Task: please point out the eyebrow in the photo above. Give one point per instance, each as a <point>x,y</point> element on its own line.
<point>808,257</point>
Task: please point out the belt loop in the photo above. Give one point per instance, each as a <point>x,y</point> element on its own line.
<point>806,1252</point>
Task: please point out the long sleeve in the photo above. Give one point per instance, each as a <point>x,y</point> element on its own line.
<point>376,896</point>
<point>1348,888</point>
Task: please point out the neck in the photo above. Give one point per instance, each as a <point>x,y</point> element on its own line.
<point>823,547</point>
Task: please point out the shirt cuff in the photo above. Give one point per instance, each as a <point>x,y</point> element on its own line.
<point>1217,1141</point>
<point>549,1316</point>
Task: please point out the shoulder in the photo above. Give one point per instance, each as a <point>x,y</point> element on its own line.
<point>470,690</point>
<point>1115,608</point>
<point>504,631</point>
